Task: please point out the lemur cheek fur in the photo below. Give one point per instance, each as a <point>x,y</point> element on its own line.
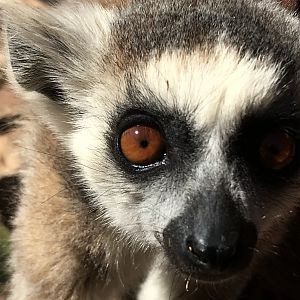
<point>162,161</point>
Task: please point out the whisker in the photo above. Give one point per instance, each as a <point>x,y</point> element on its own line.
<point>188,280</point>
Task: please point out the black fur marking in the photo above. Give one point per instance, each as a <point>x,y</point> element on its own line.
<point>152,28</point>
<point>74,182</point>
<point>51,2</point>
<point>278,277</point>
<point>9,196</point>
<point>77,185</point>
<point>7,124</point>
<point>131,295</point>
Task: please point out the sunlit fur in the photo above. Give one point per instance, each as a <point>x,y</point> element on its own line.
<point>84,228</point>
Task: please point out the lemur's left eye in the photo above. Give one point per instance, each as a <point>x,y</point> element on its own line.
<point>277,150</point>
<point>142,145</point>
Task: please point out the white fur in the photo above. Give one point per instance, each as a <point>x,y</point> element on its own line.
<point>157,286</point>
<point>217,84</point>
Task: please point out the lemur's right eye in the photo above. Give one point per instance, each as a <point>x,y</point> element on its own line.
<point>142,145</point>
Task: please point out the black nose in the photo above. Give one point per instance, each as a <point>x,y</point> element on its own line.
<point>209,253</point>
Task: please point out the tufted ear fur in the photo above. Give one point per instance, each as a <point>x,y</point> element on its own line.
<point>46,48</point>
<point>52,52</point>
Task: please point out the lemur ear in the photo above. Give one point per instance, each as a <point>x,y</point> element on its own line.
<point>292,5</point>
<point>36,52</point>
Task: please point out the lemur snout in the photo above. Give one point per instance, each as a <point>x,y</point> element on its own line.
<point>210,249</point>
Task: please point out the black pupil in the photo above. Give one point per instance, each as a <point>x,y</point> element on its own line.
<point>274,149</point>
<point>144,143</point>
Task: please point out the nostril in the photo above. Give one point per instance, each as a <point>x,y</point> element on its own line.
<point>194,247</point>
<point>198,250</point>
<point>214,258</point>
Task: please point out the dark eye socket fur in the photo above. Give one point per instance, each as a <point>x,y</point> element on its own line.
<point>246,144</point>
<point>246,147</point>
<point>182,143</point>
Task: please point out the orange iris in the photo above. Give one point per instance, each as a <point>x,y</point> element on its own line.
<point>142,145</point>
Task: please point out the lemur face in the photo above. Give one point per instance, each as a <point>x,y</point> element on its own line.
<point>182,117</point>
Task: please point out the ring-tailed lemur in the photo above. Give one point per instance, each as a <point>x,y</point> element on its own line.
<point>165,163</point>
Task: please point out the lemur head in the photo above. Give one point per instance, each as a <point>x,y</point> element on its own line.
<point>182,116</point>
